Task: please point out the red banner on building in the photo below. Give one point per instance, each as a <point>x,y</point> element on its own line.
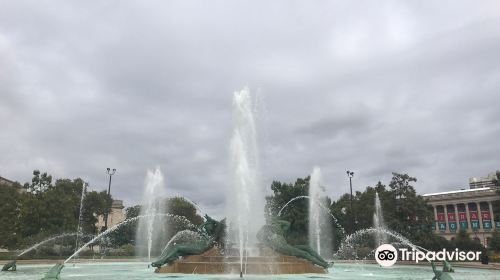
<point>440,217</point>
<point>462,216</point>
<point>451,217</point>
<point>485,215</point>
<point>473,215</point>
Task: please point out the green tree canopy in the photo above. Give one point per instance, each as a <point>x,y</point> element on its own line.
<point>9,213</point>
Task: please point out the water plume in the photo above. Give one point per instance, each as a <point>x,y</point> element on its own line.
<point>149,229</point>
<point>245,198</point>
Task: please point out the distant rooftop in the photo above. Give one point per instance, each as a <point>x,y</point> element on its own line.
<point>11,183</point>
<point>482,182</point>
<point>459,191</point>
<point>6,181</point>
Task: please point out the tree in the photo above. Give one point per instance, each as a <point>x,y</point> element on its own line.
<point>464,242</point>
<point>126,234</point>
<point>409,213</point>
<point>181,207</point>
<point>495,241</point>
<point>296,214</point>
<point>341,209</point>
<point>94,205</point>
<point>9,213</point>
<point>496,181</point>
<point>496,203</point>
<point>400,185</point>
<point>62,205</point>
<point>40,183</point>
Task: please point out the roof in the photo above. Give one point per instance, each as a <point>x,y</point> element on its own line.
<point>2,179</point>
<point>459,191</point>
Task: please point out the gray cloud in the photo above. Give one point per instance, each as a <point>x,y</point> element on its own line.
<point>373,87</point>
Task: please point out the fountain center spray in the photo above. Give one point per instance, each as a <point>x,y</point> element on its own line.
<point>378,222</point>
<point>245,199</point>
<point>152,204</point>
<point>315,193</point>
<point>79,226</point>
<point>320,227</point>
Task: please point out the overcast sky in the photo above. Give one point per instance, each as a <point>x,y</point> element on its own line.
<point>370,86</point>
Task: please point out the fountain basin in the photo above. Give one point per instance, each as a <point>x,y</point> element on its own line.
<point>99,270</point>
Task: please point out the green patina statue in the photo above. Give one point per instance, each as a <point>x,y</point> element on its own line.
<point>211,234</point>
<point>53,273</point>
<point>10,266</point>
<point>442,275</point>
<point>272,235</point>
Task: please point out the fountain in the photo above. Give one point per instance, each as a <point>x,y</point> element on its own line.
<point>80,214</point>
<point>245,199</point>
<point>148,230</point>
<point>252,247</point>
<point>12,264</point>
<point>205,253</point>
<point>320,232</point>
<point>335,220</point>
<point>56,270</point>
<point>352,239</point>
<point>378,222</point>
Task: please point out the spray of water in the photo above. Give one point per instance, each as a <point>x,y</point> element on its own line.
<point>350,241</point>
<point>177,218</point>
<point>45,242</point>
<point>147,235</point>
<point>245,199</point>
<point>198,208</point>
<point>79,226</point>
<point>318,219</point>
<point>378,222</point>
<point>335,221</point>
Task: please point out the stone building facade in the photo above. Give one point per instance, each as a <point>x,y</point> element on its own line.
<point>470,209</point>
<point>115,216</point>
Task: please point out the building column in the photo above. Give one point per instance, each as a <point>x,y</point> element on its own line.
<point>436,225</point>
<point>467,213</point>
<point>493,225</point>
<point>446,217</point>
<point>479,217</point>
<point>457,222</point>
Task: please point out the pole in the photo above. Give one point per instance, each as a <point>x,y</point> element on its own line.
<point>110,173</point>
<point>107,210</point>
<point>350,174</point>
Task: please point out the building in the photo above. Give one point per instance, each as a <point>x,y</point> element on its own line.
<point>116,215</point>
<point>483,182</point>
<point>470,210</point>
<point>7,182</point>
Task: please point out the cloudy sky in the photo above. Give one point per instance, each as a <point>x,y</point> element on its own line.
<point>371,86</point>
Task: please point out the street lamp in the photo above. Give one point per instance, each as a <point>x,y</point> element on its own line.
<point>110,173</point>
<point>350,174</point>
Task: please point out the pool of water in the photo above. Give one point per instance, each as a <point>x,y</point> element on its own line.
<point>124,270</point>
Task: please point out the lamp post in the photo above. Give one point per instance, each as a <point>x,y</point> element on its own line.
<point>110,173</point>
<point>350,174</point>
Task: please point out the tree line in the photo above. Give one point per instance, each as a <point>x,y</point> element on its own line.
<point>404,211</point>
<point>47,208</point>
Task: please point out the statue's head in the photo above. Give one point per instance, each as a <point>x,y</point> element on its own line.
<point>213,227</point>
<point>279,225</point>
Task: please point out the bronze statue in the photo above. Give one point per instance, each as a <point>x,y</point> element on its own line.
<point>211,233</point>
<point>442,275</point>
<point>53,273</point>
<point>10,266</point>
<point>272,235</point>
